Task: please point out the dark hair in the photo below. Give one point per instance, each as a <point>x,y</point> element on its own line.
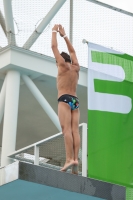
<point>66,57</point>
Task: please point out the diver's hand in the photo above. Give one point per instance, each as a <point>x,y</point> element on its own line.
<point>61,30</point>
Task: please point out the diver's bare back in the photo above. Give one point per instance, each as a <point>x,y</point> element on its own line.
<point>67,79</point>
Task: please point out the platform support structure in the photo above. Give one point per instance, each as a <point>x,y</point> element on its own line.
<point>2,99</point>
<point>10,116</point>
<point>9,100</point>
<point>2,22</point>
<point>9,22</point>
<point>42,101</point>
<point>43,24</point>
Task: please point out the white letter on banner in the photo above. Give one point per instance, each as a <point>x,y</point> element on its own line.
<point>104,101</point>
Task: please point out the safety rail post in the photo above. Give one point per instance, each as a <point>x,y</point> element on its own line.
<point>36,154</point>
<point>84,149</point>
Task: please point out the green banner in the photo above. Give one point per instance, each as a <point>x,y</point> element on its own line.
<point>110,116</point>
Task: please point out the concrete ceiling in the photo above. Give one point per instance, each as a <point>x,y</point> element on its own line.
<point>33,123</point>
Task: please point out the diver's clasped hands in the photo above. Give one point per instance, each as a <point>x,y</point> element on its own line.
<point>60,29</point>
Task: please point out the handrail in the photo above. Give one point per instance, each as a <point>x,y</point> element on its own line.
<point>37,144</point>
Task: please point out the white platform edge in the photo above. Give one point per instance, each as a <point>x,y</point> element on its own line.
<point>9,173</point>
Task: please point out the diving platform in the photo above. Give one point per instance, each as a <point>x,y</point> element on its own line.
<point>21,180</point>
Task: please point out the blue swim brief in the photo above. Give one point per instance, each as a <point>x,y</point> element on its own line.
<point>72,101</point>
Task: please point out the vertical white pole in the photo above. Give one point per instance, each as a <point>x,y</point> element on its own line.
<point>10,116</point>
<point>2,100</point>
<point>36,154</point>
<point>84,150</point>
<point>71,22</point>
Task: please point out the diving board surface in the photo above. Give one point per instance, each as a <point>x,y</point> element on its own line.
<point>32,180</point>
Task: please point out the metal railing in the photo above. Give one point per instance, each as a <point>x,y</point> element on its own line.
<point>50,152</point>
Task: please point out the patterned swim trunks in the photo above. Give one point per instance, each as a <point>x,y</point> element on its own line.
<point>72,101</point>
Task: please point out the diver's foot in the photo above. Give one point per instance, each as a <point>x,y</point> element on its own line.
<point>75,168</point>
<point>67,165</point>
